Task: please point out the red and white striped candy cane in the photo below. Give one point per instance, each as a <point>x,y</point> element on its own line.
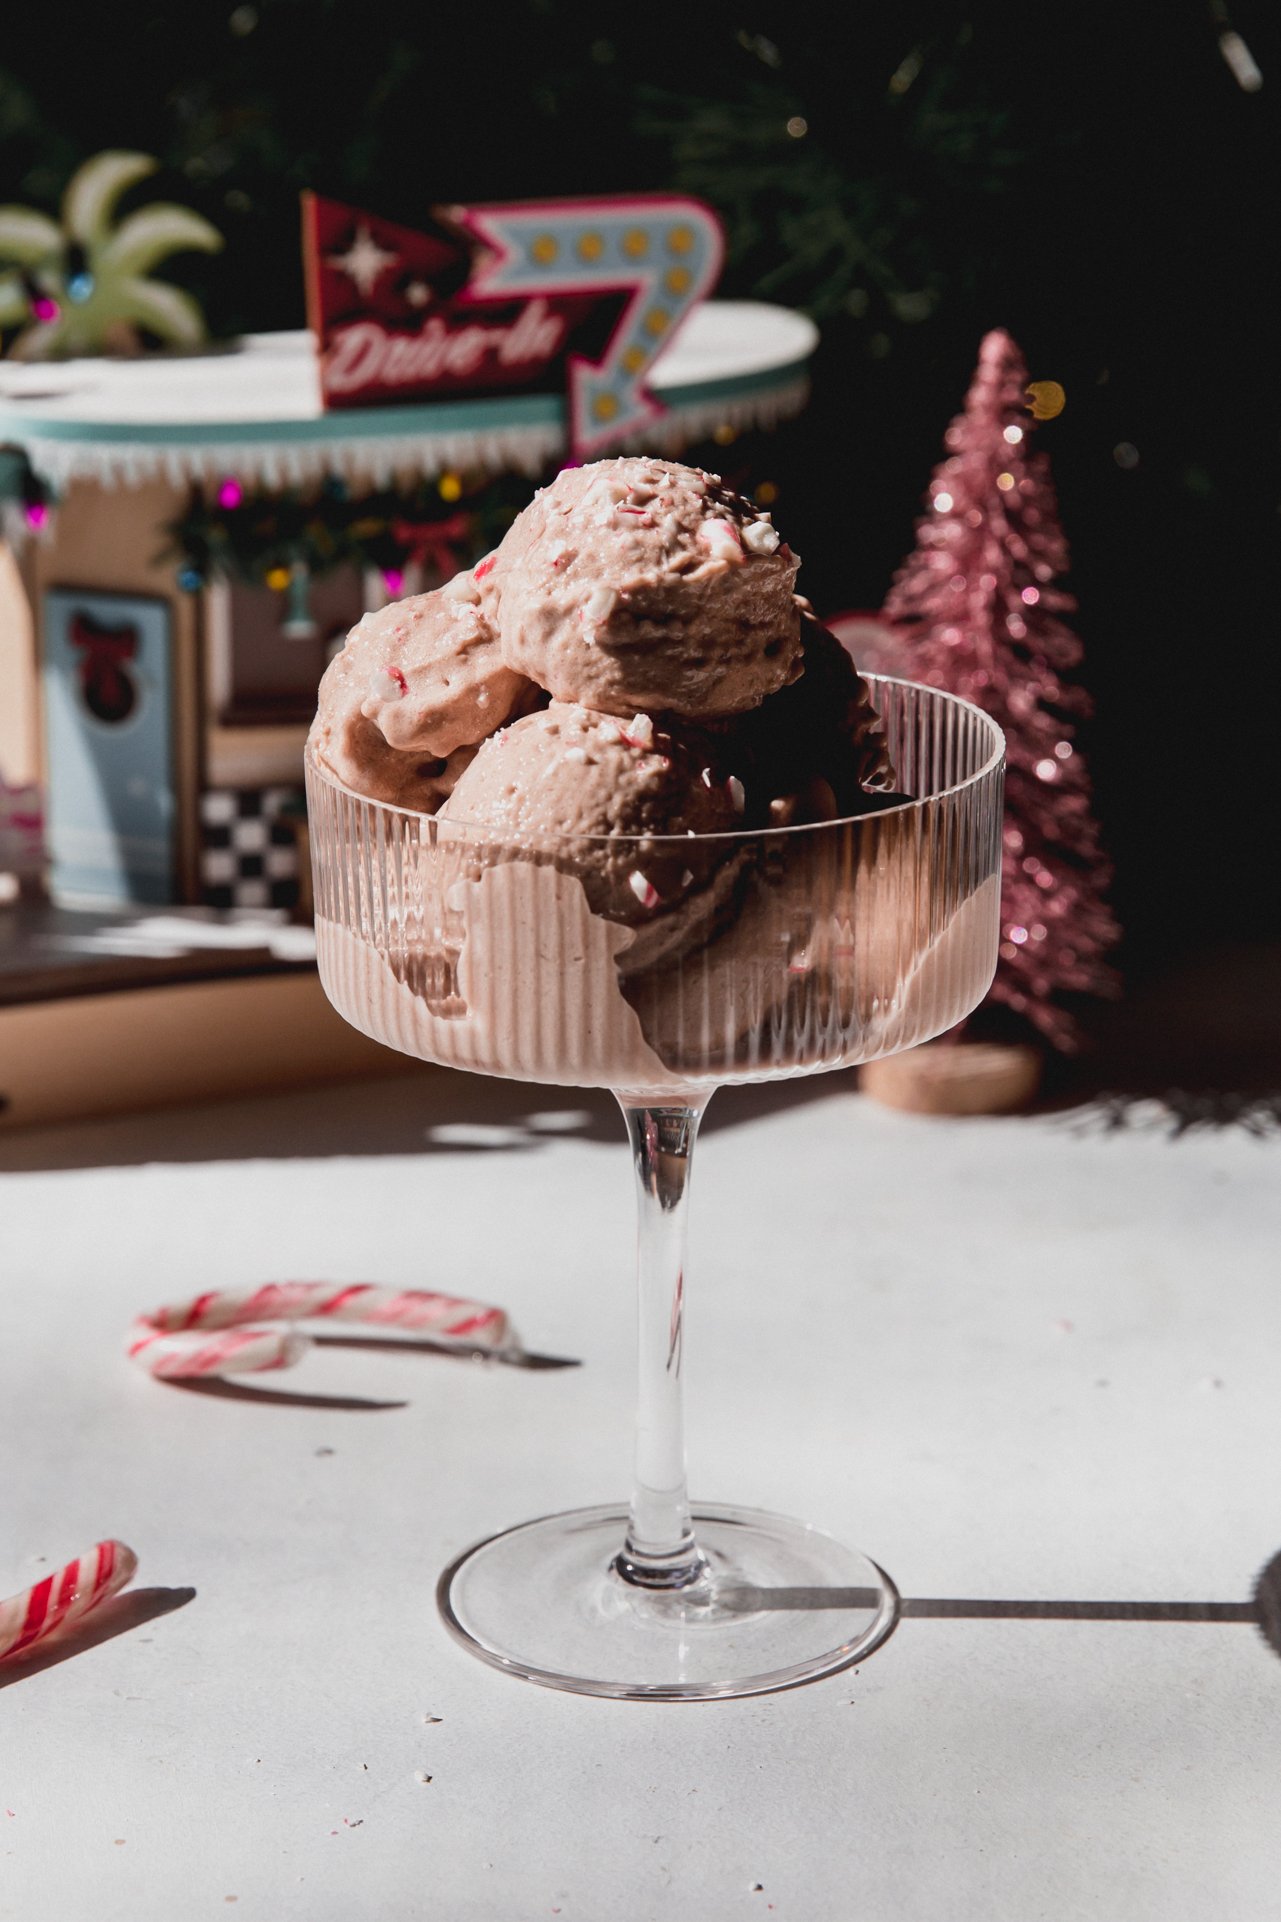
<point>223,1333</point>
<point>60,1601</point>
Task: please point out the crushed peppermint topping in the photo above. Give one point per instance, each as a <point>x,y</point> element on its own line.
<point>760,538</point>
<point>599,603</point>
<point>736,793</point>
<point>640,731</point>
<point>609,732</point>
<point>388,684</point>
<point>721,539</point>
<point>644,890</point>
<point>576,754</point>
<point>482,568</point>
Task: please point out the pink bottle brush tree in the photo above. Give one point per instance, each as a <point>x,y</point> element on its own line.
<point>980,611</point>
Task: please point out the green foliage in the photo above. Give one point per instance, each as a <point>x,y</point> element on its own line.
<point>820,212</point>
<point>877,210</point>
<point>92,273</point>
<point>327,528</point>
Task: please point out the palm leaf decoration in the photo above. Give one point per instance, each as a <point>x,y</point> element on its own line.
<point>110,294</point>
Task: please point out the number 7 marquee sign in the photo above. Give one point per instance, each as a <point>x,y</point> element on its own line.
<point>573,296</point>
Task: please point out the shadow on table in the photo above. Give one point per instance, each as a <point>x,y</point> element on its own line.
<point>1262,1611</point>
<point>1195,1045</point>
<point>437,1110</point>
<point>115,1617</point>
<point>750,1601</point>
<point>1192,1046</point>
<point>221,1389</point>
<point>230,1388</point>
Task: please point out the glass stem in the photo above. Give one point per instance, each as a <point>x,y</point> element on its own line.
<point>659,1550</point>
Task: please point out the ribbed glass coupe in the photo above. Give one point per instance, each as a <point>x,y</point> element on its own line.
<point>750,956</point>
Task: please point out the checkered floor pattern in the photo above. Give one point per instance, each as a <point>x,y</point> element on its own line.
<point>249,851</point>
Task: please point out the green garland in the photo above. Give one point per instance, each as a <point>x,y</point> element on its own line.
<point>22,492</point>
<point>261,536</point>
<point>445,524</point>
<point>274,538</point>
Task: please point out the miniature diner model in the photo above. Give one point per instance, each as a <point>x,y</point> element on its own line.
<point>175,709</point>
<point>196,532</point>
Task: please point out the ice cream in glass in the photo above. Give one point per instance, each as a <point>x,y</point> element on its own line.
<point>613,810</point>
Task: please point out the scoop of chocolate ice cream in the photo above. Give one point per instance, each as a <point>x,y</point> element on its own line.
<point>415,687</point>
<point>624,806</point>
<point>641,583</point>
<point>428,672</point>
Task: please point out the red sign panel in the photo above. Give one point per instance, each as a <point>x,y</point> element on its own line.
<point>534,297</point>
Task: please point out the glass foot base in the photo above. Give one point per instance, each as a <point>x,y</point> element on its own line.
<point>780,1604</point>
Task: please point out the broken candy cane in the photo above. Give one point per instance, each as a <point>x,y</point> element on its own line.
<point>722,540</point>
<point>58,1603</point>
<point>388,684</point>
<point>224,1333</point>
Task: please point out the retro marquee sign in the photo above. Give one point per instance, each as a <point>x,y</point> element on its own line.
<point>572,296</point>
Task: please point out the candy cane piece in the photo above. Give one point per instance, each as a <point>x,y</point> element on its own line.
<point>223,1333</point>
<point>57,1604</point>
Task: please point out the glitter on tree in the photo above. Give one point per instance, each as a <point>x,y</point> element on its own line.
<point>979,607</point>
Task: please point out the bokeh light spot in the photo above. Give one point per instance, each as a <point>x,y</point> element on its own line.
<point>1045,399</point>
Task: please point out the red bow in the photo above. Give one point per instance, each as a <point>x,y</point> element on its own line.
<point>437,541</point>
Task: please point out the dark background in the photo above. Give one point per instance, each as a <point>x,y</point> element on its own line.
<point>1093,179</point>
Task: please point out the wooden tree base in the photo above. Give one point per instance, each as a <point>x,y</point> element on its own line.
<point>955,1077</point>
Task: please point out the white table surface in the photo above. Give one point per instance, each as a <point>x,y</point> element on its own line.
<point>1012,1359</point>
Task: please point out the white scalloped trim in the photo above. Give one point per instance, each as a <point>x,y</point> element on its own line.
<point>379,460</point>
